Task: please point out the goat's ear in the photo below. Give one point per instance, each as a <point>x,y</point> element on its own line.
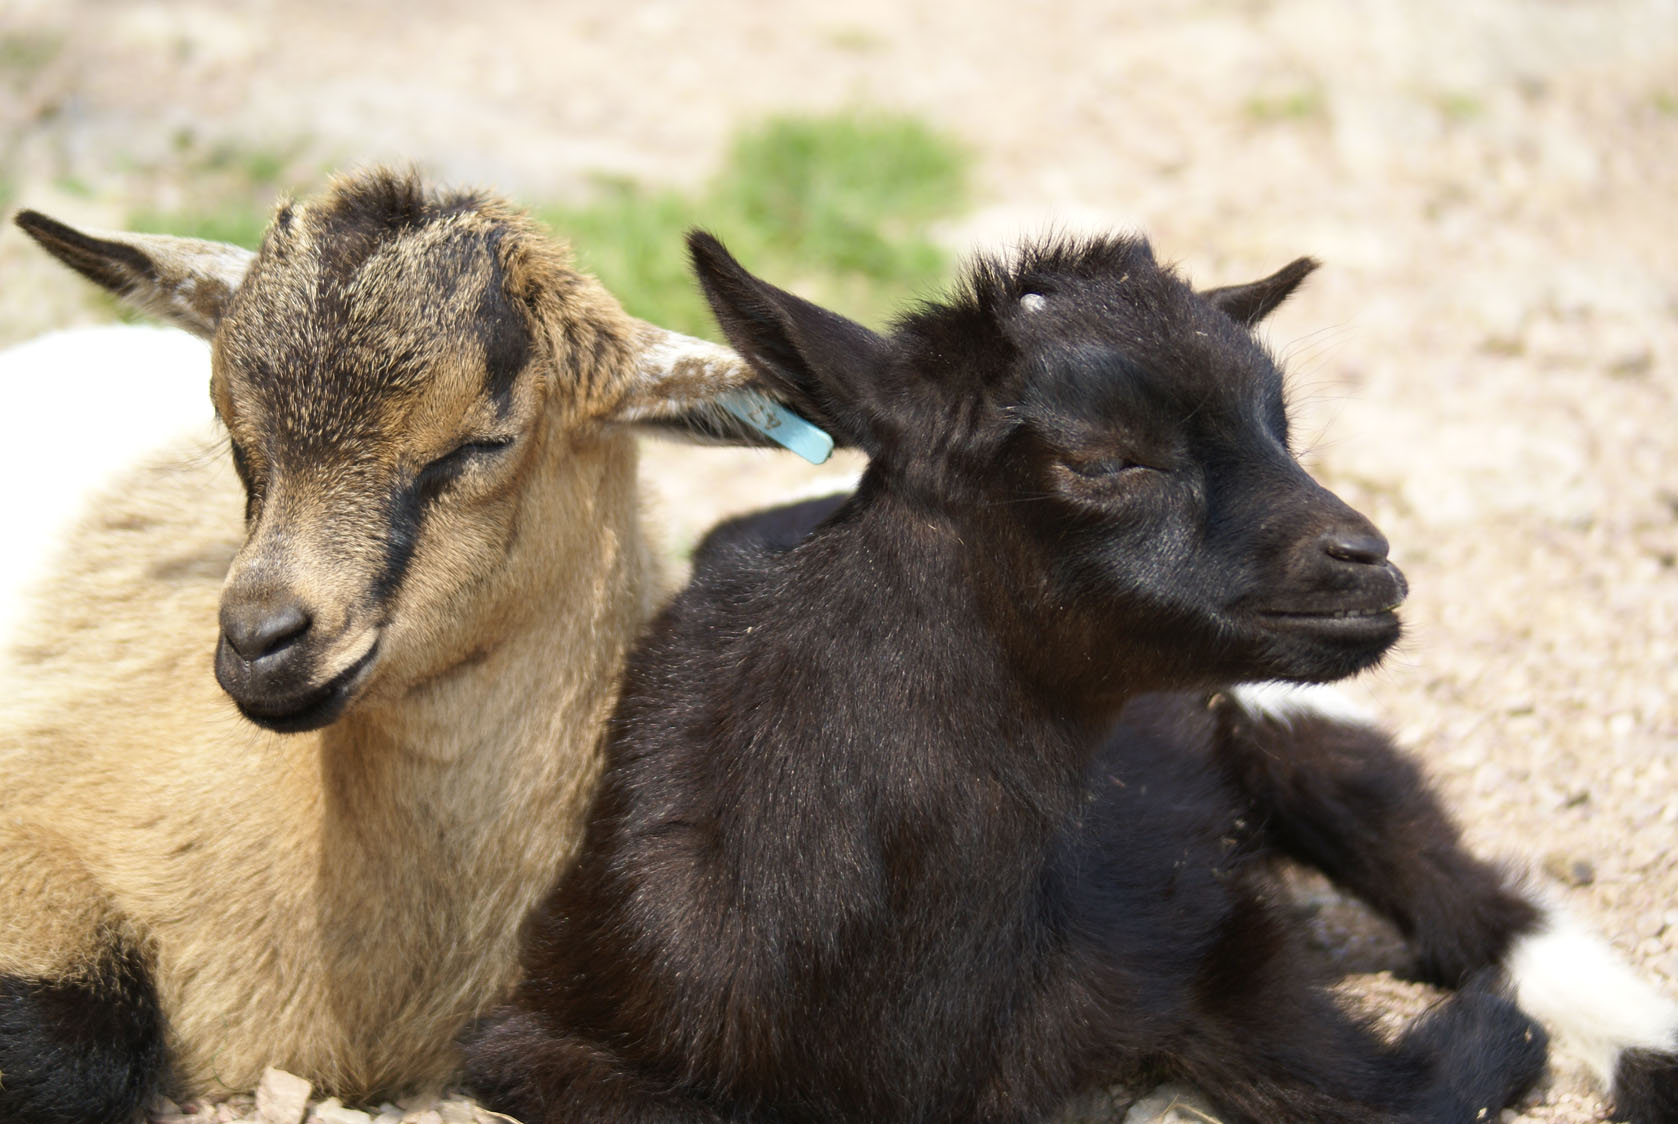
<point>815,361</point>
<point>186,281</point>
<point>700,391</point>
<point>1248,304</point>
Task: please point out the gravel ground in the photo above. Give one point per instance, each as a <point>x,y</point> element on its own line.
<point>1486,364</point>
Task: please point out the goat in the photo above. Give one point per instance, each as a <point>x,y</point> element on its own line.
<point>963,803</point>
<point>418,573</point>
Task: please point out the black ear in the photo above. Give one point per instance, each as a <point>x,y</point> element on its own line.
<point>1250,303</point>
<point>818,362</point>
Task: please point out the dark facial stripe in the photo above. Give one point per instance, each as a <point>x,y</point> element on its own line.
<point>503,334</point>
<point>405,511</point>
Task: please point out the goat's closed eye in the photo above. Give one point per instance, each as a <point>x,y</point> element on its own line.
<point>1103,468</point>
<point>437,475</point>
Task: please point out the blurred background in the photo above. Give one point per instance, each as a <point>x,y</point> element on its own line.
<point>1485,365</point>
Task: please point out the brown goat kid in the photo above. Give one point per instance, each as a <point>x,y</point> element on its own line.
<point>426,561</point>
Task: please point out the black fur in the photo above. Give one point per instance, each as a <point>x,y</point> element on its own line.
<point>88,1052</point>
<point>1646,1086</point>
<point>778,529</point>
<point>916,808</point>
<point>1341,798</point>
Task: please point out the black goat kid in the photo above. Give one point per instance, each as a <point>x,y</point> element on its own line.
<point>868,848</point>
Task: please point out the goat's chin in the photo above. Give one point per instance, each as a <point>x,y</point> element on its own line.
<point>1320,648</point>
<point>314,709</point>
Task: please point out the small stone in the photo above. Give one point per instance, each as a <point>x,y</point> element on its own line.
<point>1570,871</point>
<point>1170,1104</point>
<point>281,1098</point>
<point>1631,364</point>
<point>332,1111</point>
<point>420,1100</point>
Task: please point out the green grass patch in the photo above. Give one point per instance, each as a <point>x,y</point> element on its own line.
<point>229,190</point>
<point>836,206</point>
<point>74,186</point>
<point>1457,106</point>
<point>24,54</point>
<point>856,40</point>
<point>240,222</point>
<point>1308,104</point>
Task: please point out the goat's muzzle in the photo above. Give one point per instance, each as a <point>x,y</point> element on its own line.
<point>1336,611</point>
<point>280,672</point>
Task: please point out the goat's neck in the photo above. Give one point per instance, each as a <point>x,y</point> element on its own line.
<point>960,654</point>
<point>1004,628</point>
<point>514,727</point>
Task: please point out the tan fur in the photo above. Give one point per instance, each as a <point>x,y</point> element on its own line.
<point>339,902</point>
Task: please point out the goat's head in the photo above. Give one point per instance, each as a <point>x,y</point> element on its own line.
<point>1111,446</point>
<point>398,372</point>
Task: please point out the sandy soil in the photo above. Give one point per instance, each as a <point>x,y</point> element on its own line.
<point>1488,364</point>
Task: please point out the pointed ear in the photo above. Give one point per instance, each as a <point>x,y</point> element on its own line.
<point>1250,303</point>
<point>816,361</point>
<point>185,281</point>
<point>701,391</point>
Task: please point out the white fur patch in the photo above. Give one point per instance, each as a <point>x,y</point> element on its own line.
<point>1592,1001</point>
<point>1284,702</point>
<point>679,372</point>
<point>76,408</point>
<point>827,484</point>
<point>1034,302</point>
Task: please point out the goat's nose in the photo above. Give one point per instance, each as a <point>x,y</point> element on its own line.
<point>1362,545</point>
<point>262,626</point>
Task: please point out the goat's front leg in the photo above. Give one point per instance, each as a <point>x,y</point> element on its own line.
<point>1268,1044</point>
<point>1332,791</point>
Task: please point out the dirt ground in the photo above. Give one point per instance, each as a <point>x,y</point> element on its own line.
<point>1487,364</point>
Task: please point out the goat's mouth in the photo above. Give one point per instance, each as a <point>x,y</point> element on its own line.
<point>1317,644</point>
<point>1329,617</point>
<point>1337,620</point>
<point>318,707</point>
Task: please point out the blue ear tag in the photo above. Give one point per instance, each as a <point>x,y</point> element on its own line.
<point>778,423</point>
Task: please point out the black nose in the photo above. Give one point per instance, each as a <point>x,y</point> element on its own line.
<point>1361,545</point>
<point>262,626</point>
